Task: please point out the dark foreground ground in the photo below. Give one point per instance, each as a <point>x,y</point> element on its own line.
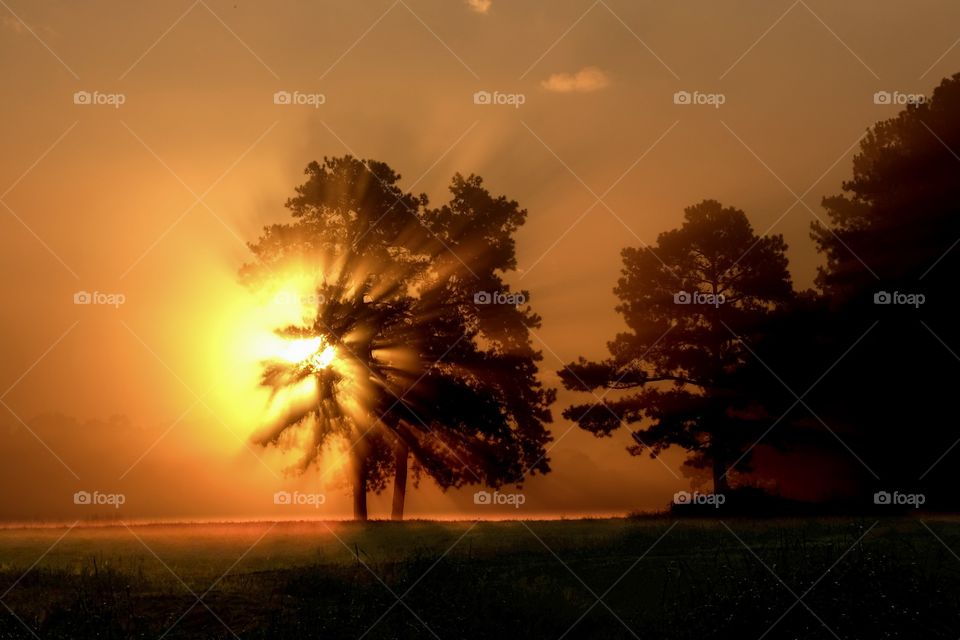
<point>647,578</point>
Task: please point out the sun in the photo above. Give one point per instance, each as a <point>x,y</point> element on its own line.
<point>315,352</point>
<point>324,359</point>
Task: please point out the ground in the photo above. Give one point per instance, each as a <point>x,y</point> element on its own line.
<point>616,578</point>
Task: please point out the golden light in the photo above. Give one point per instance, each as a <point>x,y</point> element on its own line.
<point>316,367</point>
<point>323,359</point>
<point>294,351</point>
<point>312,352</point>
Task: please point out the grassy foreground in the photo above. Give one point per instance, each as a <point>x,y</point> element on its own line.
<point>656,578</point>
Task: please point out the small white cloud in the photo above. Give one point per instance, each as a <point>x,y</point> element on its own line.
<point>480,6</point>
<point>583,81</point>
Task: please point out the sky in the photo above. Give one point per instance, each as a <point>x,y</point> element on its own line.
<point>146,143</point>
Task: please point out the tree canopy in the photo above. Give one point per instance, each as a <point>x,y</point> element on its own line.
<point>692,304</point>
<point>894,232</point>
<point>431,363</point>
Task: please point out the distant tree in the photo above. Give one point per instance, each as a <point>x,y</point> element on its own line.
<point>430,364</point>
<point>895,229</point>
<point>687,303</point>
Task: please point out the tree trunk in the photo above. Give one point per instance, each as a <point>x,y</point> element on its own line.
<point>401,452</point>
<point>720,484</point>
<point>360,473</point>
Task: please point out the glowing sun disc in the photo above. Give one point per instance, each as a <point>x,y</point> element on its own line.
<point>323,359</point>
<point>299,350</point>
<point>312,352</point>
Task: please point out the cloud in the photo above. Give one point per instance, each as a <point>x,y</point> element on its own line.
<point>583,81</point>
<point>480,6</point>
<point>11,24</point>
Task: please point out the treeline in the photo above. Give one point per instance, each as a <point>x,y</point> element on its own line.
<point>429,367</point>
<point>766,386</point>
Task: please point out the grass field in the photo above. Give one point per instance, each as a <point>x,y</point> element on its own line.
<point>618,578</point>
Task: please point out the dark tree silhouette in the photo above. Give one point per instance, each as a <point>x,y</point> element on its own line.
<point>895,230</point>
<point>898,215</point>
<point>429,365</point>
<point>687,303</point>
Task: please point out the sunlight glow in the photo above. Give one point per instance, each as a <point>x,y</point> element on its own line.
<point>312,352</point>
<point>323,359</point>
<point>295,351</point>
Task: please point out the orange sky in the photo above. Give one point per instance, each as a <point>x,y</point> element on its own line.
<point>153,199</point>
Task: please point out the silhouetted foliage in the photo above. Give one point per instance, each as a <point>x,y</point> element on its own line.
<point>894,230</point>
<point>693,304</point>
<point>425,369</point>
